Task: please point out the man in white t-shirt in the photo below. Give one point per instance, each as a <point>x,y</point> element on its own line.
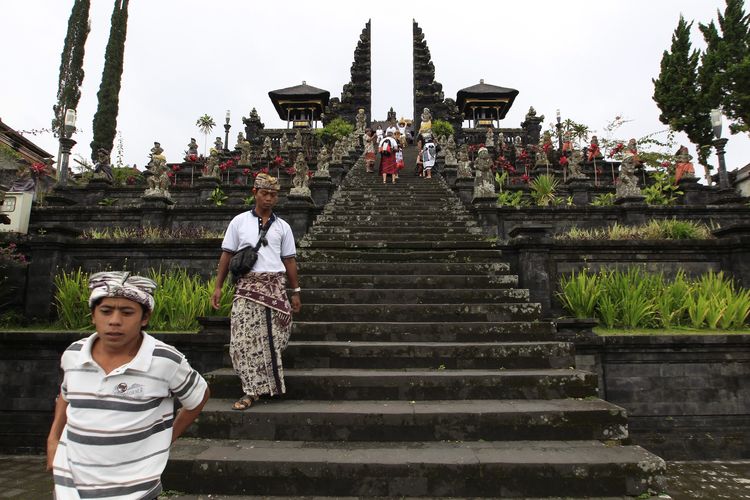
<point>261,312</point>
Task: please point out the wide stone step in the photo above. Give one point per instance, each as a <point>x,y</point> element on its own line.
<point>444,331</point>
<point>326,227</point>
<point>447,281</point>
<point>386,234</point>
<point>412,296</point>
<point>420,312</point>
<point>428,355</point>
<point>447,266</point>
<point>389,257</point>
<point>401,244</point>
<point>405,216</point>
<point>406,210</point>
<point>412,385</point>
<point>469,420</point>
<point>419,469</point>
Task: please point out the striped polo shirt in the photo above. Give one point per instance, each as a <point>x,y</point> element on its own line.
<point>119,429</point>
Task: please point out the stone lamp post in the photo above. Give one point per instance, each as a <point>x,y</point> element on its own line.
<point>66,145</point>
<point>558,126</point>
<point>227,126</point>
<point>719,144</point>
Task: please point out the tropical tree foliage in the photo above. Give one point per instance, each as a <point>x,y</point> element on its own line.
<point>105,119</point>
<point>205,124</point>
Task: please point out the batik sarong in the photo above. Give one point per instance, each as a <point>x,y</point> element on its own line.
<point>261,320</point>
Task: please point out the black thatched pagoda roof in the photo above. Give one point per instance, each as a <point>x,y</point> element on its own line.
<point>484,94</point>
<point>294,97</point>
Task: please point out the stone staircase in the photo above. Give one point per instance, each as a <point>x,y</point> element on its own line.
<point>417,368</point>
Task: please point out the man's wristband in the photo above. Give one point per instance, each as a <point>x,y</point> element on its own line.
<point>296,290</point>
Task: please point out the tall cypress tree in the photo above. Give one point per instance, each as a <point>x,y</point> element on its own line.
<point>71,64</point>
<point>105,119</point>
<point>725,65</point>
<point>678,95</point>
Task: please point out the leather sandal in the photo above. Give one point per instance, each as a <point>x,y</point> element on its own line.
<point>244,402</point>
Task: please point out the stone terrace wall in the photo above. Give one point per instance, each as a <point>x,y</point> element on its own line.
<point>30,379</point>
<point>687,396</point>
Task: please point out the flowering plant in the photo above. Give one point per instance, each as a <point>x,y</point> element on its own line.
<point>564,161</point>
<point>290,171</point>
<point>245,171</point>
<point>39,170</point>
<point>192,158</point>
<point>176,168</point>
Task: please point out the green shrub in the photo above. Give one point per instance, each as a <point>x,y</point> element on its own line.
<point>604,200</point>
<point>336,129</point>
<point>180,298</point>
<point>633,298</point>
<point>543,189</point>
<point>513,199</point>
<point>441,128</point>
<point>655,229</point>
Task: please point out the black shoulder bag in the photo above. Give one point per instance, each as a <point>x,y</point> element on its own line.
<point>243,261</point>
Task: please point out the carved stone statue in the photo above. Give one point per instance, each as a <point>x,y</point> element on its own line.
<point>683,165</point>
<point>594,153</point>
<point>426,121</point>
<point>464,165</point>
<point>103,167</point>
<point>338,153</point>
<point>501,143</point>
<point>574,166</point>
<point>297,143</point>
<point>540,156</point>
<point>322,170</point>
<point>300,180</point>
<point>489,138</point>
<point>158,181</point>
<point>212,165</point>
<point>361,121</point>
<point>218,144</point>
<point>627,182</point>
<point>246,149</point>
<point>192,149</point>
<point>267,151</point>
<point>547,145</point>
<point>284,143</point>
<point>450,145</point>
<point>518,146</point>
<point>484,182</point>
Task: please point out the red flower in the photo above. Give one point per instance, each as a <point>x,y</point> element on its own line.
<point>245,171</point>
<point>309,173</point>
<point>524,155</point>
<point>192,158</point>
<point>598,171</point>
<point>130,180</point>
<point>39,169</point>
<point>264,170</point>
<point>278,161</point>
<point>525,178</point>
<point>290,171</point>
<point>665,164</point>
<point>563,161</point>
<point>170,174</point>
<point>255,174</point>
<point>547,146</point>
<point>176,168</point>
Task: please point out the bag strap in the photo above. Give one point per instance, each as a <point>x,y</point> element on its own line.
<point>263,232</point>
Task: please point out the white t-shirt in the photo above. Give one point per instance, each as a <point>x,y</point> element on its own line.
<point>116,442</point>
<point>243,232</point>
<point>391,129</point>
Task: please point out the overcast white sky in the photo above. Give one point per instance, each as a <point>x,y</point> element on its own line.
<point>184,58</point>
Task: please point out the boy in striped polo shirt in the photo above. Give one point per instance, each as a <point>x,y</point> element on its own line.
<point>114,419</point>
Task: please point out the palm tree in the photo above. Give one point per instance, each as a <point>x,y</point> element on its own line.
<point>206,124</point>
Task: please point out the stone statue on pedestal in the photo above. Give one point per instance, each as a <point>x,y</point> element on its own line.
<point>464,165</point>
<point>450,145</point>
<point>540,155</point>
<point>574,166</point>
<point>337,153</point>
<point>158,181</point>
<point>192,149</point>
<point>246,149</point>
<point>267,151</point>
<point>484,182</point>
<point>212,165</point>
<point>425,121</point>
<point>297,143</point>
<point>683,166</point>
<point>218,144</point>
<point>627,182</point>
<point>594,153</point>
<point>361,120</point>
<point>489,138</point>
<point>284,143</point>
<point>322,169</point>
<point>103,167</point>
<point>300,180</point>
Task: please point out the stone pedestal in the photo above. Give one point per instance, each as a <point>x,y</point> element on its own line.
<point>449,174</point>
<point>154,210</point>
<point>691,190</point>
<point>321,188</point>
<point>465,188</point>
<point>486,210</point>
<point>631,201</point>
<point>99,182</point>
<point>337,172</point>
<point>47,254</point>
<point>579,190</point>
<point>727,197</point>
<point>299,211</point>
<point>207,186</point>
